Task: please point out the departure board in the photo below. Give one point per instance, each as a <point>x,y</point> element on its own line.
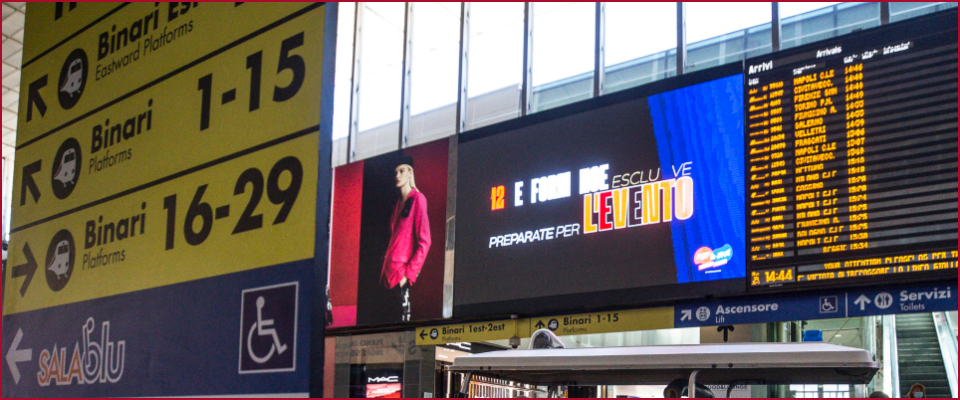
<point>851,155</point>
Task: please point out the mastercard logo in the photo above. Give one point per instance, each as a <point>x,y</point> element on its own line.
<point>703,256</point>
<point>707,258</point>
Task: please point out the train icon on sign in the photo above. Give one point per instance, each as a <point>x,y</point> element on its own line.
<point>66,172</point>
<point>60,265</point>
<point>61,256</point>
<point>68,168</point>
<point>74,79</point>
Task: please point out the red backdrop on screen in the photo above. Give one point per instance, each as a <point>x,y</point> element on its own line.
<point>345,243</point>
<point>431,176</point>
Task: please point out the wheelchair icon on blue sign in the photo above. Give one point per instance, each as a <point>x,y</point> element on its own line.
<point>264,327</point>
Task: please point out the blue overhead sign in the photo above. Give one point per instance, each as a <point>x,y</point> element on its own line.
<point>246,333</point>
<point>903,300</point>
<point>825,305</point>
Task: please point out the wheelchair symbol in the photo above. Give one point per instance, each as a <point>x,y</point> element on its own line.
<point>264,327</point>
<point>829,305</point>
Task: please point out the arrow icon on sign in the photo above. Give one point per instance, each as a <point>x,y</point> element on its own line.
<point>27,270</point>
<point>15,356</point>
<point>686,315</point>
<point>423,334</point>
<point>27,182</point>
<point>862,301</point>
<point>34,99</point>
<point>540,325</point>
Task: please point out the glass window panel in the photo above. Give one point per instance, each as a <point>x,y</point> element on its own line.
<point>857,16</point>
<point>563,53</point>
<point>640,38</point>
<point>808,27</point>
<point>641,71</point>
<point>906,10</point>
<point>721,33</point>
<point>339,152</point>
<point>825,23</point>
<point>729,48</point>
<point>952,315</point>
<point>495,63</point>
<point>434,76</point>
<point>341,96</point>
<point>711,20</point>
<point>791,8</point>
<point>759,41</point>
<point>381,62</point>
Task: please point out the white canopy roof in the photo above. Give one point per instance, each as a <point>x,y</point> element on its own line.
<point>757,363</point>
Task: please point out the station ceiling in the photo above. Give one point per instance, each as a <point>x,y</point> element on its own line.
<point>13,20</point>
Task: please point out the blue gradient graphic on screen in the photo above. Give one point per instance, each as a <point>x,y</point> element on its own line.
<point>703,124</point>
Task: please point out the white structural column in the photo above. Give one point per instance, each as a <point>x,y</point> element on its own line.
<point>405,80</point>
<point>526,93</point>
<point>599,62</point>
<point>462,74</point>
<point>354,126</point>
<point>681,38</point>
<point>775,28</point>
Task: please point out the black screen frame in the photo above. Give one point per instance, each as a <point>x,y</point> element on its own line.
<point>927,26</point>
<point>611,299</point>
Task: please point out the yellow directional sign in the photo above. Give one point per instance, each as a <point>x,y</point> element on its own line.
<point>186,229</point>
<point>562,325</point>
<point>606,322</point>
<point>157,132</point>
<point>468,332</point>
<point>162,143</point>
<point>184,119</point>
<point>139,45</point>
<point>64,19</point>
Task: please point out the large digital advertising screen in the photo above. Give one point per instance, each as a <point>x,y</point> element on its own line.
<point>852,159</point>
<point>633,198</point>
<point>387,238</point>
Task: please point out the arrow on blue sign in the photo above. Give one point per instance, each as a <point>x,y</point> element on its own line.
<point>811,306</point>
<point>16,356</point>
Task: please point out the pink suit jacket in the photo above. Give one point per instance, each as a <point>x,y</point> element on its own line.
<point>409,240</point>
